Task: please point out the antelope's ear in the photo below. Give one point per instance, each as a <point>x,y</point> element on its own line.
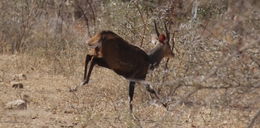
<point>162,38</point>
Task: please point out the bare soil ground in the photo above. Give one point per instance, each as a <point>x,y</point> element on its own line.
<point>104,103</point>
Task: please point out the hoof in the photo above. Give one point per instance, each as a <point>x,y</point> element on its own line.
<point>83,83</point>
<point>76,88</point>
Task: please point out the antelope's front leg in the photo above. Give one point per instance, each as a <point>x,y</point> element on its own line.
<point>131,94</point>
<point>85,78</point>
<point>150,89</point>
<point>92,63</point>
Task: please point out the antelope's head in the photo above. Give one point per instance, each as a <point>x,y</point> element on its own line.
<point>164,40</point>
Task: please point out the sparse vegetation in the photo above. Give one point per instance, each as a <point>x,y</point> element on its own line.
<point>213,81</point>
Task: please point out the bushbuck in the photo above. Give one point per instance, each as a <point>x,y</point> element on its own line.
<point>111,51</point>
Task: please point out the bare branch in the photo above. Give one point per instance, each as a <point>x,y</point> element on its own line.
<point>167,32</point>
<point>156,29</point>
<point>252,122</point>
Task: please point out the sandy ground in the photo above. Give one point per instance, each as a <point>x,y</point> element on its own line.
<point>104,103</point>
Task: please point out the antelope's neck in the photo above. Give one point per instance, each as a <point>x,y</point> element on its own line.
<point>156,55</point>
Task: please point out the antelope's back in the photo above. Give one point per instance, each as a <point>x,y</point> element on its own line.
<point>123,57</point>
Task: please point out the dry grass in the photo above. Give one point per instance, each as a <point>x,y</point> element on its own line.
<point>104,102</point>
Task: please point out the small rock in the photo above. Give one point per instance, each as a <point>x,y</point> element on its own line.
<point>17,85</point>
<point>17,104</point>
<point>20,76</point>
<point>68,111</point>
<point>35,116</point>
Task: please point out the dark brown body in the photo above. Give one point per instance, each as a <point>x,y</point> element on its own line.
<point>125,59</point>
<point>111,51</point>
